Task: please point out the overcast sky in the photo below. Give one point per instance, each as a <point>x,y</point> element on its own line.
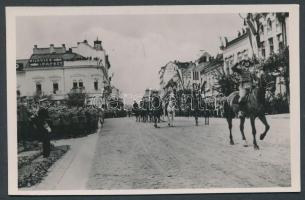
<point>138,45</point>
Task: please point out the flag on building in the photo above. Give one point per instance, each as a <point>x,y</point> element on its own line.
<point>252,31</point>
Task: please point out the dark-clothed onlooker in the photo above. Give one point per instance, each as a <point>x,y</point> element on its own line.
<point>44,129</point>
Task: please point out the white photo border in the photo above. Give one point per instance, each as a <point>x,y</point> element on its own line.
<point>13,12</point>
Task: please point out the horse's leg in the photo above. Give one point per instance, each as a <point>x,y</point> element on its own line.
<point>267,127</point>
<point>155,118</point>
<point>229,120</point>
<point>252,120</point>
<point>241,127</point>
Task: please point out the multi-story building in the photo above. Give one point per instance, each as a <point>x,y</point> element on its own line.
<point>273,33</point>
<point>177,75</point>
<point>201,63</point>
<point>235,50</point>
<point>56,70</point>
<point>272,30</point>
<point>209,75</point>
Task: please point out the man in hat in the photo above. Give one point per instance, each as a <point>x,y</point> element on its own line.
<point>44,128</point>
<point>242,68</point>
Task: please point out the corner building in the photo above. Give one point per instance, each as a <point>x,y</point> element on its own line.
<point>56,70</point>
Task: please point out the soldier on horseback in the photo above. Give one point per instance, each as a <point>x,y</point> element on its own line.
<point>243,69</point>
<point>155,108</point>
<point>135,108</point>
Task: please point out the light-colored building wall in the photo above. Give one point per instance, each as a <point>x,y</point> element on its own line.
<point>272,35</point>
<point>21,82</point>
<point>169,72</point>
<point>92,73</point>
<point>241,49</point>
<point>64,77</point>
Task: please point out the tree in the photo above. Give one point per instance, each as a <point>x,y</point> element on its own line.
<point>278,64</point>
<point>76,97</point>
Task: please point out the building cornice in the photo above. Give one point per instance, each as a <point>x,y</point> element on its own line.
<point>62,67</point>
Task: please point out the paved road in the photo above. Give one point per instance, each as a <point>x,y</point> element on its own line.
<point>132,155</point>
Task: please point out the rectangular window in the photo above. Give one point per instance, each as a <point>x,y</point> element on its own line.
<point>278,26</point>
<point>280,41</point>
<point>38,88</point>
<point>271,45</point>
<point>195,76</point>
<point>55,88</point>
<point>269,27</point>
<point>96,85</point>
<point>80,84</point>
<point>263,49</point>
<point>74,85</point>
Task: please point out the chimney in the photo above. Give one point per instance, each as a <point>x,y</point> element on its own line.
<point>64,48</point>
<point>35,49</point>
<point>52,50</point>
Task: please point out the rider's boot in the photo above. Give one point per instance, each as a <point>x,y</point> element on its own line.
<point>241,112</point>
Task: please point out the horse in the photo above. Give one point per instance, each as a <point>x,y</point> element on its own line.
<point>253,108</point>
<point>155,110</point>
<point>136,112</point>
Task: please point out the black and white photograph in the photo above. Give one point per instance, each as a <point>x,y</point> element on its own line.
<point>153,99</point>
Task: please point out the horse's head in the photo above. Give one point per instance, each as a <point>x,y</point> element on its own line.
<point>260,85</point>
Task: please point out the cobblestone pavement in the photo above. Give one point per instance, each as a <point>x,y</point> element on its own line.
<point>133,155</point>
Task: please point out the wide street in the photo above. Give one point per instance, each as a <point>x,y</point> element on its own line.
<point>130,155</point>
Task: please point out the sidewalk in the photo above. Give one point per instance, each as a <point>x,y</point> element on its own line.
<point>72,170</point>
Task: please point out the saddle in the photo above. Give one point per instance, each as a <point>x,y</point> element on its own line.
<point>232,100</point>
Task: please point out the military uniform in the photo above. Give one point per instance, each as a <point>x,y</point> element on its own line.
<point>243,70</point>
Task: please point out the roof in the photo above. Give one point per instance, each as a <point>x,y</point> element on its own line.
<point>21,64</point>
<point>236,40</point>
<point>68,56</point>
<point>44,50</point>
<point>213,64</point>
<point>183,65</point>
<point>205,55</point>
<point>201,66</point>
